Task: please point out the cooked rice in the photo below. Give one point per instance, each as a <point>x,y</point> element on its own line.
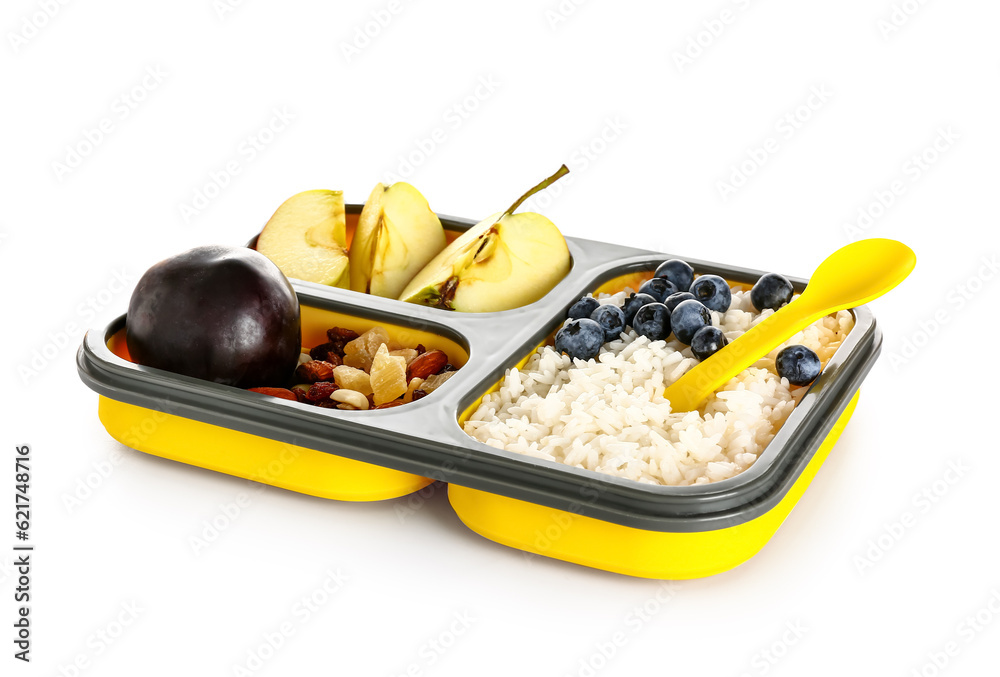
<point>608,414</point>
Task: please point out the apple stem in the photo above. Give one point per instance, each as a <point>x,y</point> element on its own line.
<point>562,171</point>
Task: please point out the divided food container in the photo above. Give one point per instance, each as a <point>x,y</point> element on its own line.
<point>538,506</point>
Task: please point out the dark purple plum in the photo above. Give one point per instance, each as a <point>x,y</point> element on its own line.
<point>222,314</point>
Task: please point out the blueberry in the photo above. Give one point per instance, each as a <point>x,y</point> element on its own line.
<point>659,288</point>
<point>713,292</point>
<point>674,299</point>
<point>798,364</point>
<point>677,271</point>
<point>581,338</point>
<point>688,317</point>
<point>612,320</point>
<point>633,303</point>
<point>771,291</point>
<point>582,308</point>
<point>707,341</point>
<point>652,321</point>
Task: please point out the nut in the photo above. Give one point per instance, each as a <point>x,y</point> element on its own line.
<point>339,334</point>
<point>321,391</point>
<point>282,393</point>
<point>390,405</point>
<point>429,363</point>
<point>351,397</point>
<point>316,370</point>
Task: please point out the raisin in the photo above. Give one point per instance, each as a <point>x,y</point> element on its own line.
<point>321,391</point>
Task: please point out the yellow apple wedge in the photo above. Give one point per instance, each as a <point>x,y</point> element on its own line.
<point>397,235</point>
<point>307,238</point>
<point>506,261</point>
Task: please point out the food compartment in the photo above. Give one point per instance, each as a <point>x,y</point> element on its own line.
<point>609,416</point>
<point>456,295</point>
<point>288,444</point>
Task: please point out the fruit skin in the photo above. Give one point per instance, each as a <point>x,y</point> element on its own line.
<point>633,303</point>
<point>713,292</point>
<point>659,288</point>
<point>798,364</point>
<point>505,261</point>
<point>652,321</point>
<point>307,238</point>
<point>688,317</point>
<point>581,339</point>
<point>771,291</point>
<point>677,271</point>
<point>612,320</point>
<point>672,300</point>
<point>582,308</point>
<point>223,314</point>
<point>707,341</point>
<point>397,235</point>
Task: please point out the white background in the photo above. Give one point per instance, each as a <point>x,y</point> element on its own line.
<point>558,85</point>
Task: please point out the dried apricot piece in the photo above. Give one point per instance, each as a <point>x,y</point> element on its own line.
<point>388,376</point>
<point>352,379</point>
<point>432,383</point>
<point>360,352</point>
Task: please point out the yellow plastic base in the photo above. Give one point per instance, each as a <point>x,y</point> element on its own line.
<point>288,466</point>
<point>626,550</point>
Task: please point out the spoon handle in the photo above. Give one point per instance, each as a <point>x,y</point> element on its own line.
<point>694,387</point>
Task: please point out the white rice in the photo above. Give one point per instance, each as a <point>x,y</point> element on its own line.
<point>608,414</point>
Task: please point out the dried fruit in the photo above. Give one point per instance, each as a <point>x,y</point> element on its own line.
<point>316,370</point>
<point>434,382</point>
<point>339,334</point>
<point>321,391</point>
<point>352,379</point>
<point>282,393</point>
<point>429,363</point>
<point>408,354</point>
<point>388,376</point>
<point>420,349</point>
<point>418,393</point>
<point>301,390</point>
<point>322,350</point>
<point>360,352</point>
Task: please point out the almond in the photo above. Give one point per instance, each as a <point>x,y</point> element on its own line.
<point>389,405</point>
<point>282,393</point>
<point>427,364</point>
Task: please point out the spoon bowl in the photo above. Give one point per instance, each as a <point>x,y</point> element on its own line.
<point>849,277</point>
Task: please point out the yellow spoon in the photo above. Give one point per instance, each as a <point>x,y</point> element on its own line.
<point>851,276</point>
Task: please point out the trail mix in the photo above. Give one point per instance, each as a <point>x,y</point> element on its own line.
<point>364,371</point>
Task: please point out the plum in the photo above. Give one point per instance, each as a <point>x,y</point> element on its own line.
<point>223,314</point>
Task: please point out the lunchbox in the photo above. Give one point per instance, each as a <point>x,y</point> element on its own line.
<point>538,506</point>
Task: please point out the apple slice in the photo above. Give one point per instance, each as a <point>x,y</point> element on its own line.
<point>506,261</point>
<point>397,235</point>
<point>307,238</point>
